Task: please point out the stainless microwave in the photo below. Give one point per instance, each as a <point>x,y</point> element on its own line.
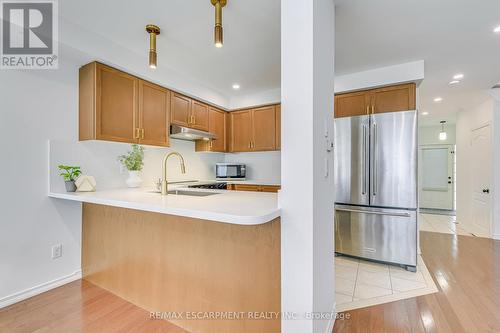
<point>228,171</point>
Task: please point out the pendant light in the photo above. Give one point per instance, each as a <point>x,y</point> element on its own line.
<point>218,34</point>
<point>153,31</point>
<point>442,135</point>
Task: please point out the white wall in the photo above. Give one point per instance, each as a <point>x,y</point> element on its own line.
<point>262,167</point>
<point>99,159</point>
<point>466,122</point>
<point>36,106</point>
<point>307,196</point>
<point>383,76</point>
<point>496,164</point>
<point>429,135</point>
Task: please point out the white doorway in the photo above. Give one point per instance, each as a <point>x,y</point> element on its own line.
<point>437,177</point>
<point>481,179</point>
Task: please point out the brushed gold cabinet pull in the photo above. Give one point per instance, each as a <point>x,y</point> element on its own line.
<point>194,120</point>
<point>136,133</point>
<point>142,133</point>
<point>249,144</point>
<point>373,109</point>
<point>367,109</point>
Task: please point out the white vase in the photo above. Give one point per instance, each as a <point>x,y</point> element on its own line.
<point>133,179</point>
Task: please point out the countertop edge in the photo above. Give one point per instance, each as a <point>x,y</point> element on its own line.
<point>211,216</point>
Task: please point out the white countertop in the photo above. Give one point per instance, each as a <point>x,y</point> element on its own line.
<point>234,207</point>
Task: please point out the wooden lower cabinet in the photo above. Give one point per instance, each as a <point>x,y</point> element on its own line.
<point>253,188</point>
<point>167,263</point>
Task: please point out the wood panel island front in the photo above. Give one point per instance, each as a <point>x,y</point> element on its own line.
<point>205,264</point>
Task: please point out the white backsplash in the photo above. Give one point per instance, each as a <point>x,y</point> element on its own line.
<point>99,159</point>
<point>263,167</point>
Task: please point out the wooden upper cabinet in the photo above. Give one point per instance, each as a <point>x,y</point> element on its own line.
<point>352,104</point>
<point>393,99</point>
<point>254,129</point>
<point>217,126</point>
<point>180,109</point>
<point>264,128</point>
<point>278,127</point>
<point>154,121</point>
<point>241,131</point>
<point>199,116</point>
<point>108,104</point>
<point>116,106</point>
<point>396,98</point>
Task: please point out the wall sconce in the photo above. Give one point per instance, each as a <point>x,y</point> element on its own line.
<point>218,34</point>
<point>153,31</point>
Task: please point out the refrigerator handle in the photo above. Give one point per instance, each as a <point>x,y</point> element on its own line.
<point>372,212</point>
<point>375,160</point>
<point>364,159</point>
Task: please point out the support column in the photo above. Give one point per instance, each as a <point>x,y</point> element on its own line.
<point>307,195</point>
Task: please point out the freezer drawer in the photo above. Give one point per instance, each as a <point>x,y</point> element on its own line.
<point>388,235</point>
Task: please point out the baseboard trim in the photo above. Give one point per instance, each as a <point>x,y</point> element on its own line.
<point>331,322</point>
<point>41,288</point>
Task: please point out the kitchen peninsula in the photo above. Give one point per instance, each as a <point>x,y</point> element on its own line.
<point>185,253</point>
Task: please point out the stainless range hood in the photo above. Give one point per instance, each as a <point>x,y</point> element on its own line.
<point>189,134</point>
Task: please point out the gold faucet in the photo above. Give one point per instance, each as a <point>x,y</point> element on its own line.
<point>164,184</point>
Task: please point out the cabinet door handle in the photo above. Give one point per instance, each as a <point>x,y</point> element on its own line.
<point>373,109</point>
<point>142,133</point>
<point>136,133</point>
<point>194,120</point>
<point>367,110</point>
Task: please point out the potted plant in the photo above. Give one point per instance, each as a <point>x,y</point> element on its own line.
<point>133,161</point>
<point>70,174</point>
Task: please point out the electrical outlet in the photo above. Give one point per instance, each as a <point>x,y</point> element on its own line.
<point>56,251</point>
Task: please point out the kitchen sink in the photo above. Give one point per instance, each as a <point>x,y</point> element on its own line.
<point>192,193</point>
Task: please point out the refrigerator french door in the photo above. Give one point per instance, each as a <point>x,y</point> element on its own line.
<point>376,187</point>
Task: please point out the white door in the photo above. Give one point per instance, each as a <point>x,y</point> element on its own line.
<point>481,180</point>
<point>436,177</point>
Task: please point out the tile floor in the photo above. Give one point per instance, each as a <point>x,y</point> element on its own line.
<point>360,283</point>
<point>443,224</point>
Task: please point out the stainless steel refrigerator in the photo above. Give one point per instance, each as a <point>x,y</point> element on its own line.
<point>376,187</point>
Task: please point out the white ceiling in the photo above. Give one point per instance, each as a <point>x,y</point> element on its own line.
<point>250,55</point>
<point>450,35</point>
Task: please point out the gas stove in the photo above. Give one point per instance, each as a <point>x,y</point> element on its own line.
<point>213,186</point>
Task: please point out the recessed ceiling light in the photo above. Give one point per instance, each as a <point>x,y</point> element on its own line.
<point>454,82</point>
<point>458,77</point>
<point>236,86</point>
<point>497,29</point>
<point>438,99</point>
<point>425,113</point>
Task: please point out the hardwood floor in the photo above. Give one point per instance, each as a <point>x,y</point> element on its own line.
<point>466,270</point>
<point>79,306</point>
<point>467,273</point>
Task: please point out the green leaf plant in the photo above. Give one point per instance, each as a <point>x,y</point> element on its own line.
<point>133,160</point>
<point>69,173</point>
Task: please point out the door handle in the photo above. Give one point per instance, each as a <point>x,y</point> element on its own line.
<point>486,190</point>
<point>372,212</point>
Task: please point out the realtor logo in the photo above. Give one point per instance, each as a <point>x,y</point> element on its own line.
<point>29,34</point>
